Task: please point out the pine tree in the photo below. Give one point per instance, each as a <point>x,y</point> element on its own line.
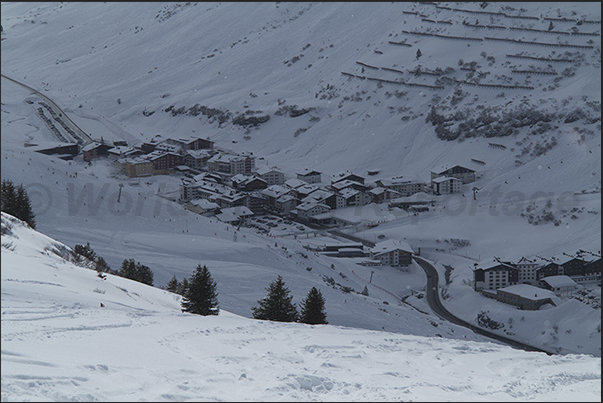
<point>183,287</point>
<point>277,305</point>
<point>24,207</point>
<point>201,297</point>
<point>9,197</point>
<point>313,309</point>
<point>86,251</point>
<point>15,201</point>
<point>136,271</point>
<point>173,285</point>
<point>102,265</point>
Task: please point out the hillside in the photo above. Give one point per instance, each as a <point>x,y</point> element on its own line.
<point>59,343</point>
<point>494,89</point>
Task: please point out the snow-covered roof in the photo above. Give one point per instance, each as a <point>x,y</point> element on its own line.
<point>389,246</point>
<point>310,205</point>
<point>204,204</point>
<point>562,258</point>
<point>227,158</point>
<point>198,153</point>
<point>445,179</point>
<point>410,180</point>
<point>348,192</point>
<point>559,281</point>
<point>492,262</point>
<point>275,191</point>
<point>344,184</point>
<point>307,188</point>
<point>295,183</point>
<point>445,167</point>
<point>264,170</point>
<point>285,198</point>
<point>531,292</point>
<point>419,196</point>
<point>234,213</point>
<point>309,173</point>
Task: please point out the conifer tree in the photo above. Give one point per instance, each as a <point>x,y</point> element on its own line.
<point>173,285</point>
<point>15,201</point>
<point>102,265</point>
<point>136,271</point>
<point>313,309</point>
<point>25,212</point>
<point>183,287</point>
<point>201,297</point>
<point>277,305</point>
<point>86,251</point>
<point>9,197</point>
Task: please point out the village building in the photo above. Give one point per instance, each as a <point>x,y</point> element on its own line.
<point>309,176</point>
<point>305,211</point>
<point>303,191</point>
<point>95,150</point>
<point>164,163</point>
<point>285,204</point>
<point>202,206</point>
<point>392,253</point>
<point>117,152</point>
<point>231,164</point>
<point>138,166</point>
<point>466,175</point>
<point>582,267</point>
<point>528,268</point>
<point>417,200</point>
<point>295,183</point>
<point>404,186</point>
<point>347,183</point>
<point>446,185</point>
<point>65,151</point>
<point>493,274</point>
<point>347,176</point>
<point>382,195</point>
<point>272,176</point>
<point>255,202</point>
<point>196,159</point>
<point>249,184</point>
<point>560,285</point>
<point>322,196</point>
<point>525,296</point>
<point>234,215</point>
<point>352,197</point>
<point>272,193</point>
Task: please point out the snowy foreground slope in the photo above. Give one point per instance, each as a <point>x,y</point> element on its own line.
<point>59,344</point>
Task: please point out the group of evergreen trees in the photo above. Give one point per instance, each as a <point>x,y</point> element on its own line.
<point>129,268</point>
<point>136,271</point>
<point>277,306</point>
<point>15,202</point>
<point>200,294</point>
<point>200,297</point>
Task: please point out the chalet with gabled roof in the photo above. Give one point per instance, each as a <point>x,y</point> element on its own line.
<point>392,253</point>
<point>466,175</point>
<point>493,274</point>
<point>310,176</point>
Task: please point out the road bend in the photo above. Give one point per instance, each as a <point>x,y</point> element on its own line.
<point>83,135</point>
<point>433,300</point>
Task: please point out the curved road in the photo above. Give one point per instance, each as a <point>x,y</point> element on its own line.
<point>433,299</point>
<point>86,139</point>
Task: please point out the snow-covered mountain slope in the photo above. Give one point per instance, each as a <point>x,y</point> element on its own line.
<point>129,71</point>
<point>59,344</point>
